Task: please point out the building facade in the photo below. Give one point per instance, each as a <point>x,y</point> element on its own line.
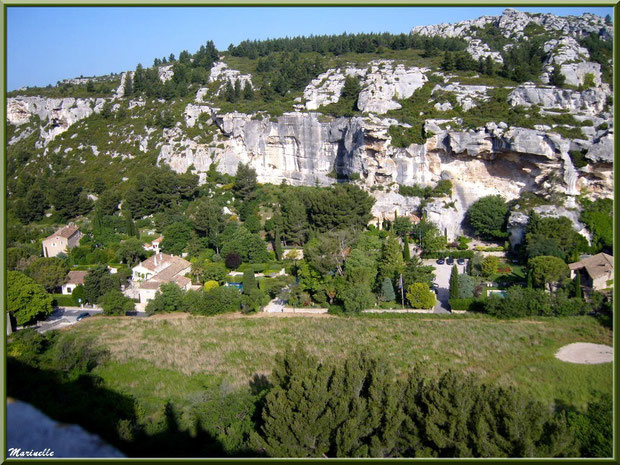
<point>61,241</point>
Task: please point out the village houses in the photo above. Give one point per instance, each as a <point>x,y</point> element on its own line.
<point>61,241</point>
<point>597,271</point>
<point>160,269</point>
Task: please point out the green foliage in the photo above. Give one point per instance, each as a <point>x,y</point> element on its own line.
<point>131,251</point>
<point>169,298</point>
<point>557,78</point>
<point>157,188</point>
<point>327,254</point>
<point>553,236</point>
<point>222,299</point>
<point>466,286</point>
<point>48,272</point>
<point>68,198</point>
<point>387,291</point>
<point>420,296</point>
<point>26,300</point>
<point>489,265</point>
<point>404,136</point>
<point>593,428</point>
<point>432,240</point>
<point>245,181</point>
<point>469,304</point>
<point>176,238</point>
<point>114,302</point>
<point>98,282</point>
<point>249,282</point>
<point>344,410</point>
<point>487,216</point>
<point>598,217</point>
<point>391,263</point>
<point>601,51</point>
<point>547,270</point>
<point>522,302</point>
<point>416,272</point>
<point>340,207</point>
<point>578,158</point>
<point>249,246</point>
<point>454,283</point>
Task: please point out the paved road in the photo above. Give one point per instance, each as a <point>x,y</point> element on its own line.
<point>62,317</point>
<point>442,278</point>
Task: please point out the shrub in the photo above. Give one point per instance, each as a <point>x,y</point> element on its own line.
<point>470,304</point>
<point>210,285</point>
<point>420,296</point>
<point>468,254</point>
<point>232,261</point>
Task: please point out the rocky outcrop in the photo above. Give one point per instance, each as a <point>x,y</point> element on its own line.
<point>518,220</point>
<point>165,73</point>
<point>466,95</point>
<point>479,50</point>
<point>512,24</point>
<point>589,102</point>
<point>327,87</point>
<point>56,115</point>
<point>222,73</point>
<point>382,83</point>
<point>385,82</point>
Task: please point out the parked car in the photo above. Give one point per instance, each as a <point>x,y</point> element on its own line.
<point>81,316</point>
<point>440,261</point>
<point>461,261</point>
<point>450,261</point>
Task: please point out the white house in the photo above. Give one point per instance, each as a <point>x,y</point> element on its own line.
<point>74,279</point>
<point>157,270</point>
<point>154,245</point>
<point>61,241</point>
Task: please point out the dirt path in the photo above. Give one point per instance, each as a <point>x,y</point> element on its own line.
<point>586,353</point>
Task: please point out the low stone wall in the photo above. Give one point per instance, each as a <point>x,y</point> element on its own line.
<point>303,310</point>
<point>393,310</point>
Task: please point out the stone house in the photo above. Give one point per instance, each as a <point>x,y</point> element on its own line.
<point>61,241</point>
<point>74,279</point>
<point>597,271</point>
<point>157,270</point>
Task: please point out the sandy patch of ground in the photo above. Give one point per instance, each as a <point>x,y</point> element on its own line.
<point>586,353</point>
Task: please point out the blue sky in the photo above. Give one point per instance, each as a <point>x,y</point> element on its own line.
<point>48,44</point>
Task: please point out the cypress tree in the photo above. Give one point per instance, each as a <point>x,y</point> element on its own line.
<point>237,90</point>
<point>578,292</point>
<point>406,251</point>
<point>454,283</point>
<point>249,281</point>
<point>277,244</point>
<point>97,221</point>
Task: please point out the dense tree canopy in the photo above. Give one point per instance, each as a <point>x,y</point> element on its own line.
<point>26,300</point>
<point>487,216</point>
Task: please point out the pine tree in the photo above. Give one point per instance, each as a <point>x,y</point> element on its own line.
<point>237,91</point>
<point>406,251</point>
<point>391,262</point>
<point>448,62</point>
<point>454,283</point>
<point>248,92</point>
<point>229,92</point>
<point>557,78</point>
<point>128,91</point>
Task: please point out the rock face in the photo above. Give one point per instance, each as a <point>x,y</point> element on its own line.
<point>381,82</point>
<point>466,95</point>
<point>512,24</point>
<point>221,72</point>
<point>589,102</point>
<point>56,114</point>
<point>385,82</point>
<point>327,87</point>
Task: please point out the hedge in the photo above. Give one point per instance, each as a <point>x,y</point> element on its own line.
<point>449,254</point>
<point>61,300</point>
<point>471,304</point>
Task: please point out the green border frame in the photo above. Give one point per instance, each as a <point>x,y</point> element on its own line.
<point>4,4</point>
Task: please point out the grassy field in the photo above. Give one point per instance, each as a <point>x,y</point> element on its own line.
<point>176,356</point>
